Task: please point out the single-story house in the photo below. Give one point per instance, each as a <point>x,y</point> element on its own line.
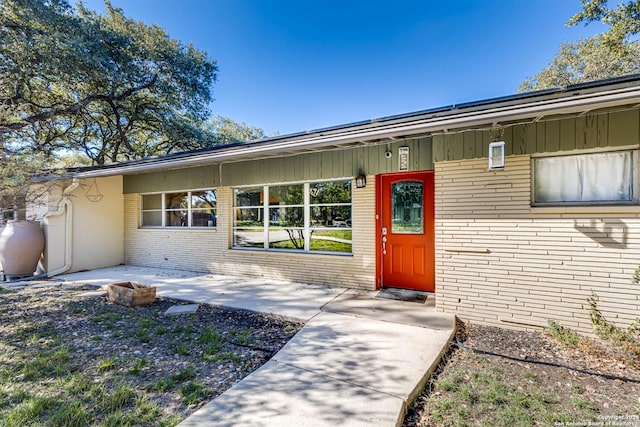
<point>512,210</point>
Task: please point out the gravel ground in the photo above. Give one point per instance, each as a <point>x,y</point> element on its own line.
<point>141,345</point>
<point>598,382</point>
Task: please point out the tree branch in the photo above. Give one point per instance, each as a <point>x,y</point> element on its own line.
<point>74,108</point>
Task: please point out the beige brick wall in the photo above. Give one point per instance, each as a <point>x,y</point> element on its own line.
<point>210,250</point>
<point>501,262</point>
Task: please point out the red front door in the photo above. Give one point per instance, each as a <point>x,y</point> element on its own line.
<point>405,206</point>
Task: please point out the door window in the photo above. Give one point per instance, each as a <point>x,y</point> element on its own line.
<point>406,208</point>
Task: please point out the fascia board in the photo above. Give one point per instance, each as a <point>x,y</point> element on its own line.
<point>437,123</point>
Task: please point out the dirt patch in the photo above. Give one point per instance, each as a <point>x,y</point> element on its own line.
<point>512,380</point>
<point>172,364</point>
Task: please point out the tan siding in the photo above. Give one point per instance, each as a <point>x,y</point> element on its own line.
<point>326,164</point>
<point>604,129</point>
<point>501,262</point>
<point>552,136</point>
<point>469,145</point>
<point>624,127</point>
<point>170,180</point>
<point>567,135</point>
<point>590,132</point>
<point>209,250</point>
<point>524,138</point>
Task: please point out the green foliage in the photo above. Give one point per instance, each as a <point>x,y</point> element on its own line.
<point>168,383</point>
<point>582,403</point>
<point>241,336</point>
<point>211,349</point>
<point>563,334</point>
<point>610,54</point>
<point>193,392</point>
<point>184,375</point>
<point>608,331</point>
<point>171,421</point>
<point>224,131</point>
<point>41,382</point>
<point>143,335</point>
<point>210,336</point>
<point>104,365</point>
<point>104,85</point>
<point>182,349</point>
<point>316,244</point>
<point>489,397</point>
<point>117,399</point>
<point>636,276</point>
<point>72,414</point>
<point>74,384</point>
<point>164,384</point>
<point>225,356</point>
<point>290,328</point>
<point>20,170</point>
<point>47,364</point>
<point>586,60</point>
<point>29,409</point>
<point>623,19</point>
<point>212,340</point>
<point>78,85</point>
<point>138,365</point>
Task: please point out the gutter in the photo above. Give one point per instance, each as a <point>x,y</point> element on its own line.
<point>65,207</point>
<point>451,119</point>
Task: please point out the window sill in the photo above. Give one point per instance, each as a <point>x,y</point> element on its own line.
<point>598,209</point>
<point>150,228</point>
<point>291,251</point>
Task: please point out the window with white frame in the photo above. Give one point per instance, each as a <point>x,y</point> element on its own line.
<point>196,208</point>
<point>301,217</point>
<point>594,178</point>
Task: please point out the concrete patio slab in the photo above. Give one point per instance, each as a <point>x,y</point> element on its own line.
<point>388,357</point>
<point>288,300</point>
<point>279,395</point>
<point>364,304</point>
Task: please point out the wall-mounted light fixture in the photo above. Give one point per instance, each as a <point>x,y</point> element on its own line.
<point>361,179</point>
<point>496,155</point>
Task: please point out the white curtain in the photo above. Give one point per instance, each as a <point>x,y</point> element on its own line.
<point>601,177</point>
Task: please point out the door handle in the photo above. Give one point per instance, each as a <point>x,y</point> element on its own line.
<point>384,245</point>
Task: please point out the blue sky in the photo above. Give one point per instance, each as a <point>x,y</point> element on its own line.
<point>290,66</point>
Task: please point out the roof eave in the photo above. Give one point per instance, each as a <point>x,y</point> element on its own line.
<point>438,122</point>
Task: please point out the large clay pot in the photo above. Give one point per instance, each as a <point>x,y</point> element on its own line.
<point>21,243</point>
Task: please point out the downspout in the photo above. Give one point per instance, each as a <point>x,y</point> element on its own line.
<point>65,206</point>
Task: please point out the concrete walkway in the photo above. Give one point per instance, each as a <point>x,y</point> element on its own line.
<point>358,361</point>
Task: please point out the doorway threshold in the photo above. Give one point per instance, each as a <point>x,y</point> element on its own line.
<point>408,295</point>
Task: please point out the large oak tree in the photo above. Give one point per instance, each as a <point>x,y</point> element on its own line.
<point>74,81</point>
<point>586,60</point>
<point>105,84</point>
<point>613,53</point>
<point>622,20</point>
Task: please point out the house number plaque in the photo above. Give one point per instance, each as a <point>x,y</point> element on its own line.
<point>403,158</point>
